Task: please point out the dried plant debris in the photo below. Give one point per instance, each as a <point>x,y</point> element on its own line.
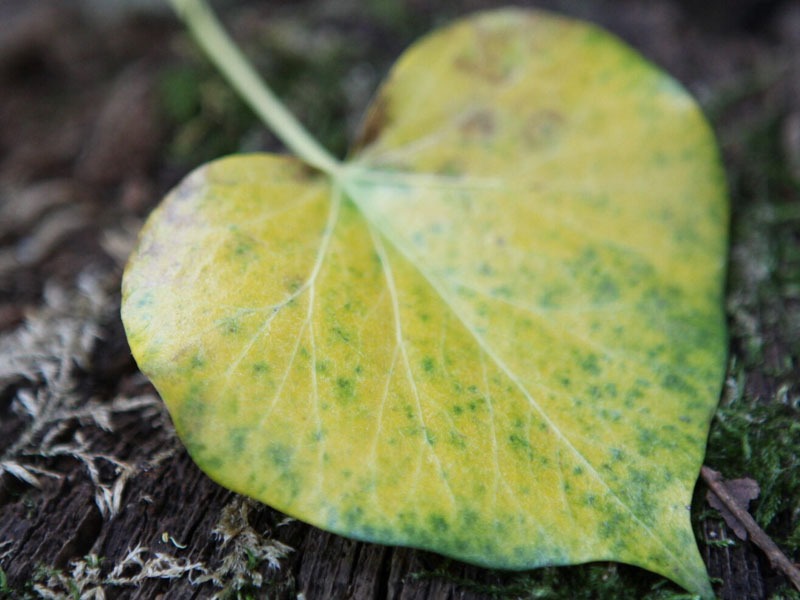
<point>742,491</point>
<point>40,364</point>
<point>57,338</point>
<point>246,555</point>
<point>50,416</point>
<point>731,497</point>
<point>85,577</point>
<point>245,549</point>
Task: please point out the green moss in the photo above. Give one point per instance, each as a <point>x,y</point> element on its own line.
<point>206,118</point>
<point>756,430</point>
<point>5,590</point>
<point>585,582</point>
<point>751,438</point>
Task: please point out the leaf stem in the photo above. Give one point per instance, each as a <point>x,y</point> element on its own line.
<point>219,47</point>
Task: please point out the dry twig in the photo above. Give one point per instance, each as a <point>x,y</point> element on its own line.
<point>775,555</point>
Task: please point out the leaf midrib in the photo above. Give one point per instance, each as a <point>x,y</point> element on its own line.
<point>352,193</point>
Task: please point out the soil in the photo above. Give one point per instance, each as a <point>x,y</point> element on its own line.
<point>97,496</point>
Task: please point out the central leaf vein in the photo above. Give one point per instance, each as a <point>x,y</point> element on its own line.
<point>386,230</point>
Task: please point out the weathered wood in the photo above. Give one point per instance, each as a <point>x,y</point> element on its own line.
<point>172,504</point>
<point>737,567</point>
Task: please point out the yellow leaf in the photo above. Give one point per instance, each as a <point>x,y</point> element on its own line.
<point>496,332</point>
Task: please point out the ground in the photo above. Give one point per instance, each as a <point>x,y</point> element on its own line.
<point>104,108</point>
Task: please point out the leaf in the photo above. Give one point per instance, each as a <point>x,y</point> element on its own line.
<point>496,332</point>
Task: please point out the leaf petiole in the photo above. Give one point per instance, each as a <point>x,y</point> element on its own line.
<point>216,43</point>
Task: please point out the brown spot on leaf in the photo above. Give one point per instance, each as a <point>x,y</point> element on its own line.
<point>480,124</point>
<point>376,121</point>
<point>488,58</point>
<point>305,173</point>
<point>481,68</point>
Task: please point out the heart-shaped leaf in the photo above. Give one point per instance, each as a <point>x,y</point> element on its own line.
<point>496,332</point>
